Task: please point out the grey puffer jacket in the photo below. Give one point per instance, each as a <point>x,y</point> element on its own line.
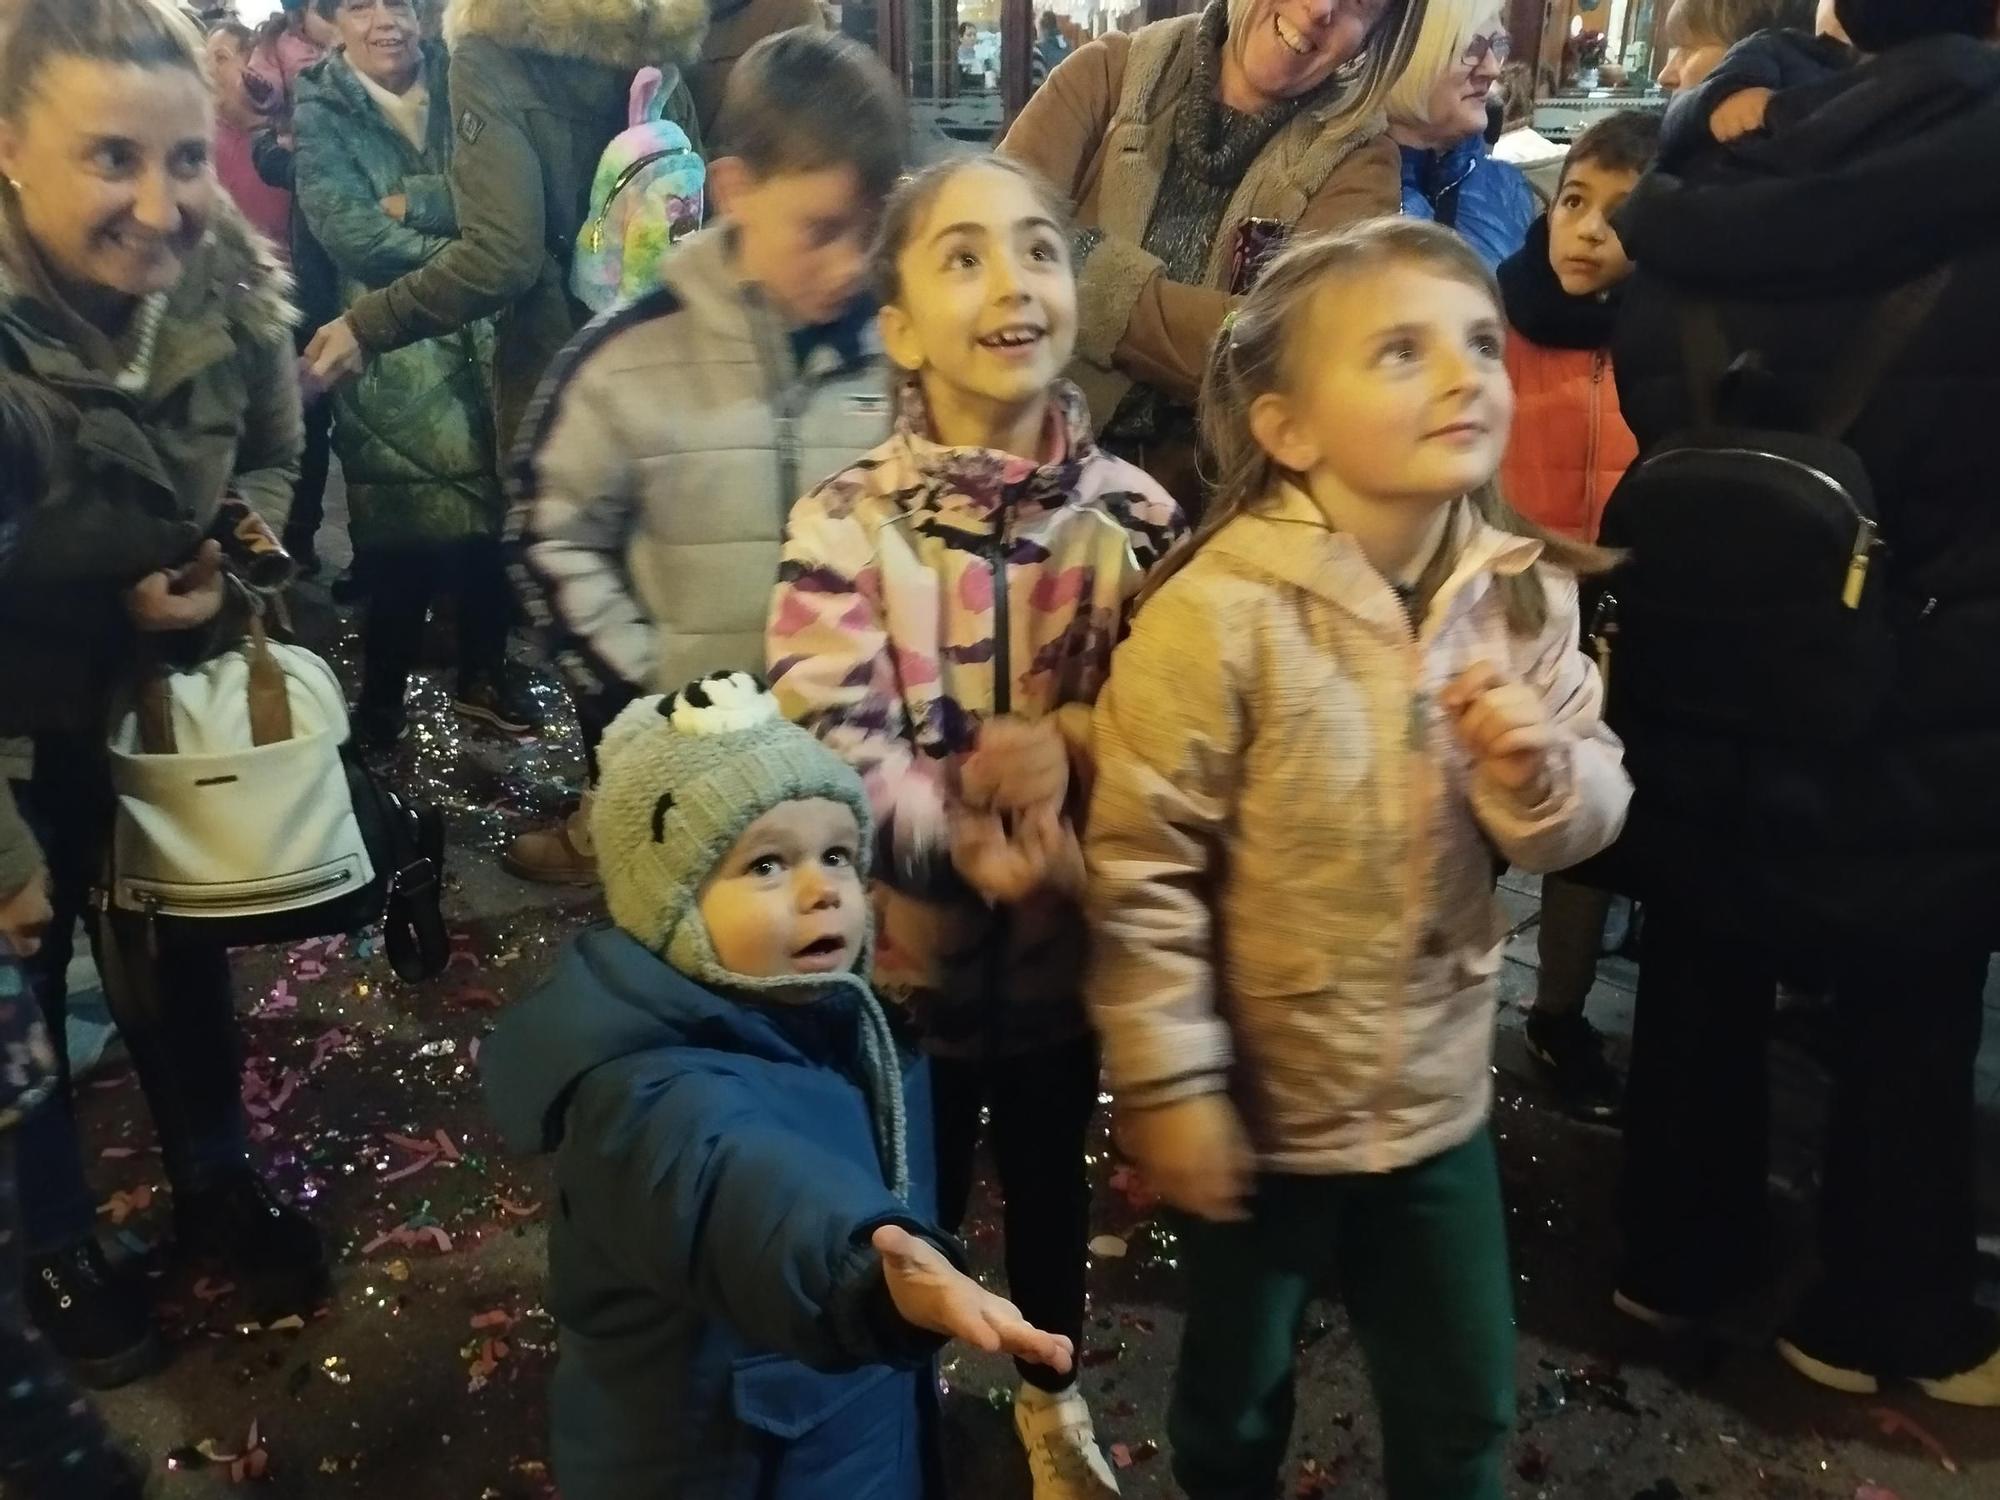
<point>658,466</point>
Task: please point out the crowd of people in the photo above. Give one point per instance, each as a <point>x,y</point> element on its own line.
<point>1096,614</point>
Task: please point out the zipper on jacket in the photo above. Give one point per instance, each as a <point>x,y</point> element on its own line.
<point>1003,644</point>
<point>787,398</point>
<point>1590,501</point>
<point>1604,638</point>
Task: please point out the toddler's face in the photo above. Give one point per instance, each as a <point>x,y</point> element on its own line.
<point>787,898</point>
<point>1583,248</point>
<point>1400,388</point>
<point>988,304</point>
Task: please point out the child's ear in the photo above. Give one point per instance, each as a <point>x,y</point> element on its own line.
<point>899,338</point>
<point>1290,442</point>
<point>729,178</point>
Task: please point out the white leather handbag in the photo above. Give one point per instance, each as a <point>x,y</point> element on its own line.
<point>234,801</point>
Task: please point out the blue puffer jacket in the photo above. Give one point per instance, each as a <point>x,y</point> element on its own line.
<point>726,1334</point>
<point>1495,205</point>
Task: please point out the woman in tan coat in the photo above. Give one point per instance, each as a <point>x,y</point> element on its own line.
<point>1192,148</point>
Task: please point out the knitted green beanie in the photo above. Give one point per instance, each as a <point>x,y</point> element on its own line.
<point>680,779</point>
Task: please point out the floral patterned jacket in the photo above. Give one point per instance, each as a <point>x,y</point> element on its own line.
<point>922,591</point>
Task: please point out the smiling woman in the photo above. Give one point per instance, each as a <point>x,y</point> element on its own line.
<point>130,286</point>
<point>1193,148</point>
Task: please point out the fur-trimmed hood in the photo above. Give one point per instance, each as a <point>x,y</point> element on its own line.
<point>620,33</point>
<point>234,274</point>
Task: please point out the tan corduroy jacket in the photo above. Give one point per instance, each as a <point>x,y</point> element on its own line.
<point>1292,859</point>
<point>1101,130</point>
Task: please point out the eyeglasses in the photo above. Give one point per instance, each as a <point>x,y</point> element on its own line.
<point>1499,46</point>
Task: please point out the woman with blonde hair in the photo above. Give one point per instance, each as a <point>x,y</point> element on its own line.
<point>1437,115</point>
<point>1193,148</point>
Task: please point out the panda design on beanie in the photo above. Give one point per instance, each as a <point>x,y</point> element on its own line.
<point>681,776</point>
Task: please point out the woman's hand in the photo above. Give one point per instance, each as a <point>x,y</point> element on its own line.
<point>25,915</point>
<point>179,598</point>
<point>1042,854</point>
<point>930,1293</point>
<point>396,206</point>
<point>1194,1154</point>
<point>335,354</point>
<point>1503,725</point>
<point>1016,765</point>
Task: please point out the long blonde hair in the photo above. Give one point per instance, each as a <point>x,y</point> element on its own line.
<point>1260,352</point>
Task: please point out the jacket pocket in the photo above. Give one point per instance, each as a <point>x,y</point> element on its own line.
<point>855,1434</point>
<point>777,1395</point>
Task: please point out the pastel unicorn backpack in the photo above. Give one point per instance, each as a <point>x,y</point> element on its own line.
<point>647,194</point>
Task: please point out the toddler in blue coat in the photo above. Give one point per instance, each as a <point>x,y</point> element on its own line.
<point>743,1261</point>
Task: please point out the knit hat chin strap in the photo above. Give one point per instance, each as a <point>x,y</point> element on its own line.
<point>691,951</point>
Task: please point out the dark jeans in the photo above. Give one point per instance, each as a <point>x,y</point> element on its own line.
<point>308,510</point>
<point>401,586</point>
<point>1419,1258</point>
<point>1568,944</point>
<point>1041,1104</point>
<point>177,1020</point>
<point>1897,1247</point>
<point>53,1445</point>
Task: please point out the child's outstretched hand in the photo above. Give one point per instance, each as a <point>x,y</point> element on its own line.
<point>930,1292</point>
<point>1195,1154</point>
<point>1502,723</point>
<point>1741,114</point>
<point>1042,854</point>
<point>1017,765</point>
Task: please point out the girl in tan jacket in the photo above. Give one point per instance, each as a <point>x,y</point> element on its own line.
<point>1357,698</point>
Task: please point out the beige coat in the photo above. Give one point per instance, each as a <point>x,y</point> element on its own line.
<point>1292,860</point>
<point>1101,129</point>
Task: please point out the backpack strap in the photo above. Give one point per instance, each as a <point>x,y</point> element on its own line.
<point>1891,325</point>
<point>1706,353</point>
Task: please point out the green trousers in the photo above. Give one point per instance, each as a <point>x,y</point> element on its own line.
<point>1419,1257</point>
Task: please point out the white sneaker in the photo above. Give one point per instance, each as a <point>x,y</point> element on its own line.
<point>1062,1446</point>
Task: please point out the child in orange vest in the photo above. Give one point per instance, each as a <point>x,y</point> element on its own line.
<point>1569,448</point>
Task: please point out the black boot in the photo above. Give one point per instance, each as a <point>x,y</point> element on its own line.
<point>101,1323</point>
<point>243,1226</point>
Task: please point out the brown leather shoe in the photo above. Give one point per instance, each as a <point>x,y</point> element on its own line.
<point>561,855</point>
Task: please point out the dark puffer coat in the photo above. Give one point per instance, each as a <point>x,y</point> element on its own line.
<point>1862,184</point>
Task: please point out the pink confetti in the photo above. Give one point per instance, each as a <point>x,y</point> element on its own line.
<point>329,1043</point>
<point>518,1210</point>
<point>498,1317</point>
<point>450,1151</point>
<point>409,1171</point>
<point>117,1153</point>
<point>410,1143</point>
<point>1875,1492</point>
<point>1890,1422</point>
<point>122,1205</point>
<point>213,1288</point>
<point>311,968</point>
<point>481,999</point>
<point>1121,1455</point>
